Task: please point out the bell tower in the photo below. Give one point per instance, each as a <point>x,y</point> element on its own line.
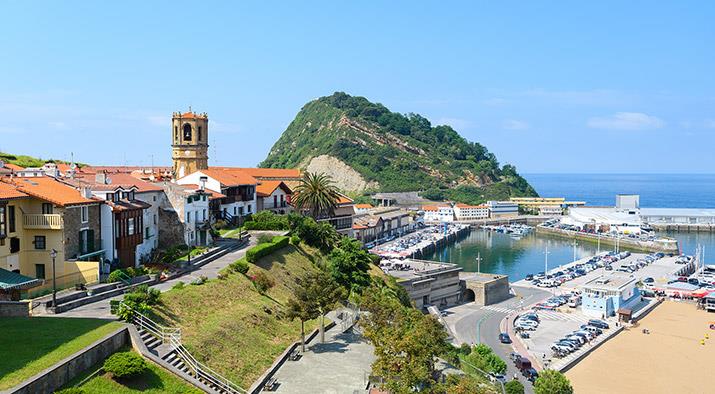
<point>189,146</point>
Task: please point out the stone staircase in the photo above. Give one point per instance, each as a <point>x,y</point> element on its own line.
<point>163,346</point>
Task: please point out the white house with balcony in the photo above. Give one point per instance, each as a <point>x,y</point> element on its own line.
<point>273,196</point>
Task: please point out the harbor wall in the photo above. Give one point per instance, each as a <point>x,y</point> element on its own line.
<point>684,228</point>
<point>449,239</point>
<point>628,243</point>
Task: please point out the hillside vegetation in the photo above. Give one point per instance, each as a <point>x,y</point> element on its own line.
<point>245,330</point>
<point>27,161</point>
<point>392,152</point>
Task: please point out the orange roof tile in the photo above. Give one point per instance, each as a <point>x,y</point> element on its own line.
<point>429,208</point>
<point>123,180</point>
<point>230,177</point>
<point>266,188</point>
<point>460,205</point>
<point>13,167</point>
<point>266,173</point>
<point>344,200</point>
<point>363,206</point>
<point>8,192</point>
<point>212,194</point>
<point>52,190</point>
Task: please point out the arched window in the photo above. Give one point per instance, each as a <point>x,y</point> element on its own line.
<point>187,132</point>
<point>176,133</point>
<point>199,135</point>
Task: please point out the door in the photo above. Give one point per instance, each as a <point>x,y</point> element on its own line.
<point>202,237</point>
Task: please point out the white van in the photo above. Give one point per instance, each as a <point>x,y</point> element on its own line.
<point>574,301</point>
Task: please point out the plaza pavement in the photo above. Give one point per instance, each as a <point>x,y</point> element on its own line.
<point>340,365</point>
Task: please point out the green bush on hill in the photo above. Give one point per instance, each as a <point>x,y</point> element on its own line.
<point>240,266</point>
<point>267,220</point>
<point>258,251</point>
<point>125,365</point>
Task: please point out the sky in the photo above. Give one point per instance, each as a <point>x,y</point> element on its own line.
<point>551,87</point>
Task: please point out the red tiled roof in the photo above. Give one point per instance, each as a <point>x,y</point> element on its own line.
<point>430,208</point>
<point>460,205</point>
<point>266,188</point>
<point>13,167</point>
<point>344,200</point>
<point>230,177</point>
<point>123,180</point>
<point>278,173</point>
<point>8,192</point>
<point>365,206</point>
<point>52,190</point>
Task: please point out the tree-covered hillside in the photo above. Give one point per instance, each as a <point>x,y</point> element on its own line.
<point>395,152</point>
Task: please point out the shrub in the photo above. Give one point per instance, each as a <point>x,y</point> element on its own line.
<point>514,387</point>
<point>116,276</point>
<point>125,365</point>
<point>264,238</point>
<point>179,285</point>
<point>294,240</point>
<point>200,280</point>
<point>263,282</point>
<point>71,390</point>
<point>258,251</point>
<point>143,294</point>
<point>267,220</point>
<point>240,266</point>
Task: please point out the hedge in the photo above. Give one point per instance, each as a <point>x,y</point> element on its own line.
<point>125,364</point>
<point>258,251</point>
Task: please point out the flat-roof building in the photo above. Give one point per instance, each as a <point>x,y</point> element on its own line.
<point>427,282</point>
<point>606,294</point>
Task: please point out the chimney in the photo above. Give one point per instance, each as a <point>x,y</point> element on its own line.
<point>101,177</point>
<point>86,192</point>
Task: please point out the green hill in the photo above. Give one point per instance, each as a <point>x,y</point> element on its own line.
<point>244,331</point>
<point>366,147</point>
<point>28,161</point>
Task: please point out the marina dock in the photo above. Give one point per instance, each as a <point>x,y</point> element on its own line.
<point>665,245</point>
<point>422,242</point>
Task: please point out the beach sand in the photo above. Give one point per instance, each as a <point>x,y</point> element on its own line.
<point>668,360</point>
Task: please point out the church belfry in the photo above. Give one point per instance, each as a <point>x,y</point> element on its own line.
<point>189,146</point>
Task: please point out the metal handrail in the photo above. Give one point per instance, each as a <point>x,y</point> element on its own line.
<point>172,336</point>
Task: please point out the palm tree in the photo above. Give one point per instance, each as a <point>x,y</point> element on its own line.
<point>316,193</point>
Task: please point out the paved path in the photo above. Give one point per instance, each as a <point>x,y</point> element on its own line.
<point>340,365</point>
<point>101,309</point>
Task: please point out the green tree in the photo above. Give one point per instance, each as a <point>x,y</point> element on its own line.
<point>316,193</point>
<point>552,382</point>
<point>349,264</point>
<point>514,387</point>
<point>302,306</point>
<point>316,295</point>
<point>406,342</point>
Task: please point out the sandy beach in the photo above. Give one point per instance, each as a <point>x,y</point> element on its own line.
<point>670,359</point>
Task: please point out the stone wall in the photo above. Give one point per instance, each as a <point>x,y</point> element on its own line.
<point>172,230</point>
<point>14,309</point>
<point>59,374</point>
<point>73,224</point>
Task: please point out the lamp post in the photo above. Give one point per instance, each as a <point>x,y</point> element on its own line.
<point>53,254</point>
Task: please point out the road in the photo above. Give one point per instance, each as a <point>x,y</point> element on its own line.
<point>101,309</point>
<point>476,324</point>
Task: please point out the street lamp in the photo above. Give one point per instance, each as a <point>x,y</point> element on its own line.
<point>53,254</point>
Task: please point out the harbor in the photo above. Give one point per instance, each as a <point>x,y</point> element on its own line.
<point>422,242</point>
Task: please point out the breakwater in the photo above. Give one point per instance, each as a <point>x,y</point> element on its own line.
<point>433,241</point>
<point>665,245</point>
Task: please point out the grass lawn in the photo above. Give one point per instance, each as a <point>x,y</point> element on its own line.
<point>196,251</point>
<point>230,232</point>
<point>155,380</point>
<point>244,331</point>
<point>30,345</point>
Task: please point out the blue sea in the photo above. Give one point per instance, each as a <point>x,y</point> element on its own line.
<point>502,254</point>
<point>656,190</point>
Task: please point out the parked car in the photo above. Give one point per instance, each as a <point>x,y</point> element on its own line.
<point>522,363</point>
<point>504,338</point>
<point>497,377</point>
<point>530,374</point>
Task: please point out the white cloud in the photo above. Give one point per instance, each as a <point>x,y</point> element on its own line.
<point>513,124</point>
<point>456,123</point>
<point>626,121</point>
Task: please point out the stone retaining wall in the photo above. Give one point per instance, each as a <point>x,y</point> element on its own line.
<point>59,374</point>
<point>14,309</point>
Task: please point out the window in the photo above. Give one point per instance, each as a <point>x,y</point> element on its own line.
<point>130,226</point>
<point>14,245</point>
<point>84,213</point>
<point>234,210</point>
<point>11,218</point>
<point>40,242</point>
<point>204,214</point>
<point>86,241</point>
<point>3,224</point>
<point>196,216</point>
<point>240,211</point>
<point>176,133</point>
<point>249,208</point>
<point>199,135</point>
<point>147,234</point>
<point>110,197</point>
<point>188,217</point>
<point>130,196</point>
<point>46,208</point>
<point>154,218</point>
<point>187,132</point>
<point>40,271</point>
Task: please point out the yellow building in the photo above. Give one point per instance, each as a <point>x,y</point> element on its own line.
<point>190,146</point>
<point>39,215</point>
<point>538,202</point>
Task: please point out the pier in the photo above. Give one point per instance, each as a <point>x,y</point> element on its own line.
<point>665,245</point>
<point>429,241</point>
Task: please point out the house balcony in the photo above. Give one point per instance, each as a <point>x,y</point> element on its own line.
<point>38,221</point>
